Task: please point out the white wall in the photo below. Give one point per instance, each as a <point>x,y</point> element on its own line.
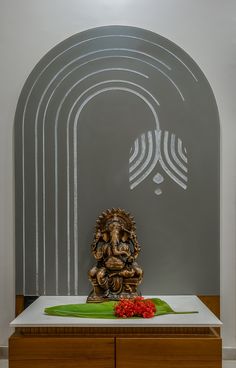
<point>206,29</point>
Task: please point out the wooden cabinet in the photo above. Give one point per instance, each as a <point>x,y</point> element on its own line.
<point>171,341</point>
<point>115,347</point>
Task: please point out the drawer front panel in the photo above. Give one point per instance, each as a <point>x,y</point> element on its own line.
<point>87,352</point>
<point>168,352</point>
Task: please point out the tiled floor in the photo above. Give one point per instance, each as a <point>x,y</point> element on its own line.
<point>3,363</point>
<point>226,364</point>
<point>229,364</point>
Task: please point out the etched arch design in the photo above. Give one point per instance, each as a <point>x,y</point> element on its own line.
<point>64,84</point>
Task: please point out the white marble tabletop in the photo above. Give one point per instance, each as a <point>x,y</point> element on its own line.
<point>34,315</point>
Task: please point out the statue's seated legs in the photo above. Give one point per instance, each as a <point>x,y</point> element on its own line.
<point>100,284</point>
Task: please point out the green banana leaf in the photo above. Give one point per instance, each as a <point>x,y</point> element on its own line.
<point>103,310</point>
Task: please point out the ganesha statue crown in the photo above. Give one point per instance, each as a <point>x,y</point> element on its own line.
<point>115,248</point>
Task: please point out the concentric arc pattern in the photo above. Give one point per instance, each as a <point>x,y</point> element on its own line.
<point>88,65</point>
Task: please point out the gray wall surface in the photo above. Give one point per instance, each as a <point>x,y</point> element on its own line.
<point>117,117</point>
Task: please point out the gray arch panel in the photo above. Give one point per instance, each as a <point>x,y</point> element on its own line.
<point>82,109</point>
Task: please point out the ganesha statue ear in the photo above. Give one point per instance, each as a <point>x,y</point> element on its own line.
<point>125,237</point>
<point>105,236</point>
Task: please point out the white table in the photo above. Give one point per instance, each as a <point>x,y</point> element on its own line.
<point>34,315</point>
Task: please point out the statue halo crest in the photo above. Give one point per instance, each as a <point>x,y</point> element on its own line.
<point>115,215</point>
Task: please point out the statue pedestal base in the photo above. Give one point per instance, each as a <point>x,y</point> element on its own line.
<point>170,341</point>
<point>95,298</point>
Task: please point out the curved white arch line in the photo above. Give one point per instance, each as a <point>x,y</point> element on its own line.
<point>148,158</point>
<point>56,124</point>
<point>180,151</point>
<point>170,163</point>
<point>173,153</point>
<point>76,119</point>
<point>56,164</point>
<point>56,169</point>
<point>135,153</point>
<point>141,156</point>
<point>107,57</point>
<point>154,161</point>
<point>141,39</point>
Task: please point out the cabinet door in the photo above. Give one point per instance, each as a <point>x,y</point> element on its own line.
<point>61,352</point>
<point>168,352</point>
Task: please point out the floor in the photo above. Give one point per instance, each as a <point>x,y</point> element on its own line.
<point>226,364</point>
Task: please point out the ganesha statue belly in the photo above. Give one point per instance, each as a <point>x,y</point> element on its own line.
<point>114,264</point>
<point>115,248</point>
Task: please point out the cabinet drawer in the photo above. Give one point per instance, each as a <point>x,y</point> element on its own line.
<point>76,351</point>
<point>168,352</point>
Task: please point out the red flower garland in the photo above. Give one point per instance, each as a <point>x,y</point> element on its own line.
<point>137,307</point>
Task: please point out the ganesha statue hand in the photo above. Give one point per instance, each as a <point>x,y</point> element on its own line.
<point>115,247</point>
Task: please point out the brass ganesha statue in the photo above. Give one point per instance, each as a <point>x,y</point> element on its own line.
<point>115,248</point>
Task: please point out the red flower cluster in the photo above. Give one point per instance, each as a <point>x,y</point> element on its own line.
<point>137,307</point>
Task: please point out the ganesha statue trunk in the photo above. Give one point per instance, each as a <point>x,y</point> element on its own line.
<point>115,248</point>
